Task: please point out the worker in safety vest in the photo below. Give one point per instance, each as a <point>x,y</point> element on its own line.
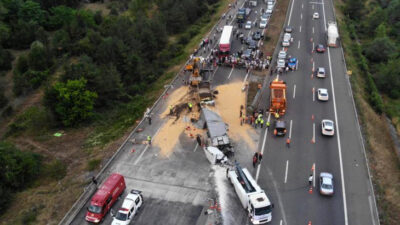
<point>261,122</point>
<point>190,106</point>
<point>170,109</point>
<point>277,115</point>
<point>256,123</point>
<point>149,139</point>
<point>267,124</point>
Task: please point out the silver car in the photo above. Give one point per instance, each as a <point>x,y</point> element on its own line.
<point>326,183</point>
<point>321,72</point>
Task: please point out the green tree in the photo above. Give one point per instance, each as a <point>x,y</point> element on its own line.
<point>388,78</point>
<point>22,34</point>
<point>354,9</point>
<point>61,42</point>
<point>59,16</point>
<point>381,31</point>
<point>74,103</point>
<point>30,11</point>
<point>4,32</point>
<point>25,82</point>
<point>380,49</point>
<point>38,58</point>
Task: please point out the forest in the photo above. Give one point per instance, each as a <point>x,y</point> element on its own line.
<point>88,64</point>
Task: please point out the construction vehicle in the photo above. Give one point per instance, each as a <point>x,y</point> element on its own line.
<point>332,34</point>
<point>252,197</point>
<point>194,68</point>
<point>278,97</point>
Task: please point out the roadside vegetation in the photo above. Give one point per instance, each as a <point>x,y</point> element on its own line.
<point>370,33</point>
<point>83,76</point>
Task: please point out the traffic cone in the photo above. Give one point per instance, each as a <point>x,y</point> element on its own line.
<point>309,222</point>
<point>310,190</point>
<point>313,141</point>
<point>312,76</point>
<point>312,117</point>
<point>133,150</point>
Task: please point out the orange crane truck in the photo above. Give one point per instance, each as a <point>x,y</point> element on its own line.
<point>278,97</point>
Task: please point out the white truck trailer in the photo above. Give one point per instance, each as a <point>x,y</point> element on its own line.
<point>252,197</point>
<point>332,34</point>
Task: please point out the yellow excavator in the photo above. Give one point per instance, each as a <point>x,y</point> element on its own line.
<point>194,67</point>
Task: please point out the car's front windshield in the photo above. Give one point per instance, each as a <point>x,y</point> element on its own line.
<point>327,186</point>
<point>94,209</point>
<point>263,210</point>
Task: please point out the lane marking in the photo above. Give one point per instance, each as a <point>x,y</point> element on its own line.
<point>313,135</point>
<point>314,178</point>
<point>323,12</point>
<point>298,45</point>
<point>313,94</point>
<point>145,149</point>
<point>371,208</point>
<point>317,3</point>
<point>280,222</point>
<point>230,73</point>
<point>312,29</point>
<point>313,66</point>
<point>290,130</point>
<point>302,5</point>
<point>262,147</point>
<point>346,220</point>
<point>312,47</point>
<point>286,172</point>
<point>290,14</point>
<point>197,144</point>
<point>300,29</point>
<point>301,16</point>
<point>294,91</point>
<point>245,78</point>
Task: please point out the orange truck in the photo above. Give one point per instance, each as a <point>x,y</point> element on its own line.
<point>278,97</point>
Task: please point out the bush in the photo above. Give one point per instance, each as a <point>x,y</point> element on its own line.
<point>5,59</point>
<point>34,119</point>
<point>380,50</point>
<point>30,80</point>
<point>93,164</point>
<point>3,99</point>
<point>56,170</point>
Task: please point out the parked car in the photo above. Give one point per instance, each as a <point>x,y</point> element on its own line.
<point>326,184</point>
<point>328,127</point>
<point>268,11</point>
<point>321,72</point>
<point>257,35</point>
<point>246,54</point>
<point>282,54</point>
<point>323,94</point>
<point>280,128</point>
<point>320,48</point>
<point>288,29</point>
<point>292,63</point>
<point>133,201</point>
<point>252,45</point>
<point>248,25</point>
<point>280,63</point>
<point>315,15</point>
<point>265,16</point>
<point>263,24</point>
<point>286,39</point>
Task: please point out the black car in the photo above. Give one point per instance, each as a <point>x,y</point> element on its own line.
<point>257,35</point>
<point>280,128</point>
<point>320,48</point>
<point>247,40</point>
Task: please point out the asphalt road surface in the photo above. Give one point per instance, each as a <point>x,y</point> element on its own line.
<point>176,190</point>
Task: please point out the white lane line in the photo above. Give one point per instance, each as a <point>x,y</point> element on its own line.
<point>313,46</point>
<point>298,45</point>
<point>313,132</point>
<point>300,29</point>
<point>230,73</point>
<point>323,10</point>
<point>290,15</point>
<point>317,3</point>
<point>286,172</point>
<point>312,29</point>
<point>263,146</point>
<point>145,149</point>
<point>314,178</point>
<point>294,91</point>
<point>280,223</point>
<point>302,5</point>
<point>371,208</point>
<point>313,66</point>
<point>313,94</point>
<point>245,78</point>
<point>301,15</point>
<point>346,220</point>
<point>290,129</point>
<point>197,145</point>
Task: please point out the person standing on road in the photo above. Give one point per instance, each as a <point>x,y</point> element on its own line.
<point>267,124</point>
<point>198,139</point>
<point>288,142</point>
<point>190,106</point>
<point>261,122</point>
<point>255,159</point>
<point>149,119</point>
<point>310,179</point>
<point>260,157</point>
<point>149,139</point>
<point>171,110</point>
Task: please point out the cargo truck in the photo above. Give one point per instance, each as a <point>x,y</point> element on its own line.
<point>332,34</point>
<point>252,197</point>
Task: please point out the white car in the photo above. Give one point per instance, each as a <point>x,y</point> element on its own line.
<point>323,94</point>
<point>321,72</point>
<point>268,11</point>
<point>280,63</point>
<point>315,15</point>
<point>265,17</point>
<point>248,25</point>
<point>263,24</point>
<point>328,128</point>
<point>326,183</point>
<point>130,206</point>
<point>282,54</point>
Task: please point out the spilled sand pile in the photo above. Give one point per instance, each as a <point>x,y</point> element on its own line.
<point>168,135</point>
<point>228,103</point>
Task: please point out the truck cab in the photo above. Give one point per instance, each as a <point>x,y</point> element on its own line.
<point>129,208</point>
<point>260,208</point>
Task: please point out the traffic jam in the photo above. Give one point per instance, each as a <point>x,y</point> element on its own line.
<point>250,57</point>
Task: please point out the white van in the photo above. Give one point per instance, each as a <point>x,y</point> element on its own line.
<point>286,40</point>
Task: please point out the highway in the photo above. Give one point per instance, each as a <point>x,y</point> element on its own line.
<point>177,188</point>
